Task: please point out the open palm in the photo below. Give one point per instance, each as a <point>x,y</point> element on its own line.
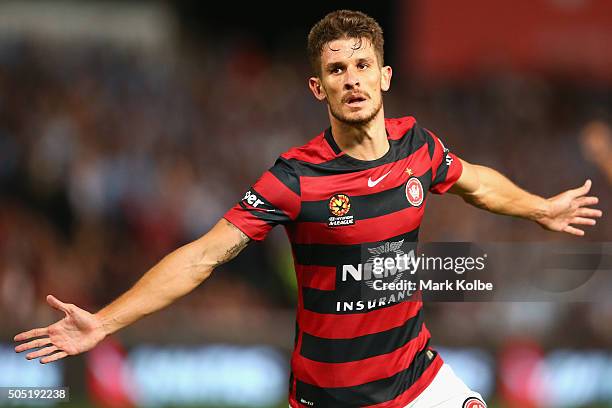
<point>77,332</point>
<point>571,208</point>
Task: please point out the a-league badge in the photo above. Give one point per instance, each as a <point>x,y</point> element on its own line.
<point>339,206</point>
<point>414,191</point>
<point>473,402</point>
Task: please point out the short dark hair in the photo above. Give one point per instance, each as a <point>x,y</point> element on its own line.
<point>343,24</point>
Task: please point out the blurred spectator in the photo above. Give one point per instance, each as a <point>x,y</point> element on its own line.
<point>596,140</point>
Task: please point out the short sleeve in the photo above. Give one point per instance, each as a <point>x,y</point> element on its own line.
<point>273,199</point>
<point>446,167</point>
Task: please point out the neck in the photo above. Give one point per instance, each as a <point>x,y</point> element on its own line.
<point>366,141</point>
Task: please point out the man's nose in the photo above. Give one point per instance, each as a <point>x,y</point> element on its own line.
<point>351,80</point>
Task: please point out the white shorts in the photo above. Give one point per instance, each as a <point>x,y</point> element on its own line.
<point>447,391</point>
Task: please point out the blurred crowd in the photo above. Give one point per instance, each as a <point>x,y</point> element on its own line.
<point>110,158</point>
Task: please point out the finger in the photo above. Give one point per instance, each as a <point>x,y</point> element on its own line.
<point>574,231</point>
<point>42,352</point>
<point>582,221</point>
<point>582,190</point>
<point>584,201</point>
<point>53,357</point>
<point>42,331</point>
<point>33,344</point>
<point>56,304</point>
<point>589,212</point>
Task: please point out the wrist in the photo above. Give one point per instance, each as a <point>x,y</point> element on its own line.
<point>106,326</point>
<point>541,211</point>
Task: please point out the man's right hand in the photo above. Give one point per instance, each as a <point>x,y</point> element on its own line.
<point>177,274</point>
<point>77,332</point>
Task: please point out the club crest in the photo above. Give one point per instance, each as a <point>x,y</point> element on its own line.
<point>414,191</point>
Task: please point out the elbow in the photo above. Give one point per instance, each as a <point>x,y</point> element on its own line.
<point>200,272</point>
<point>200,265</point>
<point>481,191</point>
<point>479,198</point>
<point>205,273</point>
<point>474,200</point>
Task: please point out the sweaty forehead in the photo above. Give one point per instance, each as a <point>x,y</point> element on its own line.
<point>345,48</point>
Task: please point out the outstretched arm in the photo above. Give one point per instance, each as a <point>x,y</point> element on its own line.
<point>488,189</point>
<point>174,276</point>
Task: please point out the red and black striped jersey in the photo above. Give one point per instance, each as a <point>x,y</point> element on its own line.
<point>351,350</point>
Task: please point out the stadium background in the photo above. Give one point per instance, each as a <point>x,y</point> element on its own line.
<point>128,128</point>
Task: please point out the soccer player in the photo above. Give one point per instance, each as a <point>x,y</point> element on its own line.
<point>358,187</point>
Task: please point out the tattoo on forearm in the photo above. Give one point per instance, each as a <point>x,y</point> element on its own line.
<point>235,249</point>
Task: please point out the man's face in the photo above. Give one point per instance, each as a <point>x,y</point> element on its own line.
<point>351,80</point>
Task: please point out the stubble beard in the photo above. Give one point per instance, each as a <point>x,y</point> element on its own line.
<point>358,121</point>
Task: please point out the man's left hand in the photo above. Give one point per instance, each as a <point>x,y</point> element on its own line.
<point>571,208</point>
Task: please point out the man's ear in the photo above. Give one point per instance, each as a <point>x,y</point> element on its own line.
<point>314,83</point>
<point>385,78</point>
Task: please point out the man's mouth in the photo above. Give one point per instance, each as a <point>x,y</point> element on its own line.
<point>355,99</point>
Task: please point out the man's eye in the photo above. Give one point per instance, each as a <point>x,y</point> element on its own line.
<point>336,70</point>
<point>362,66</point>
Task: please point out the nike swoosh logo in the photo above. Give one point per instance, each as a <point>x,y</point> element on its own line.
<point>372,183</point>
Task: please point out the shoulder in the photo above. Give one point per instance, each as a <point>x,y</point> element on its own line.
<point>408,134</point>
<point>407,126</point>
<point>316,151</point>
<point>399,127</point>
